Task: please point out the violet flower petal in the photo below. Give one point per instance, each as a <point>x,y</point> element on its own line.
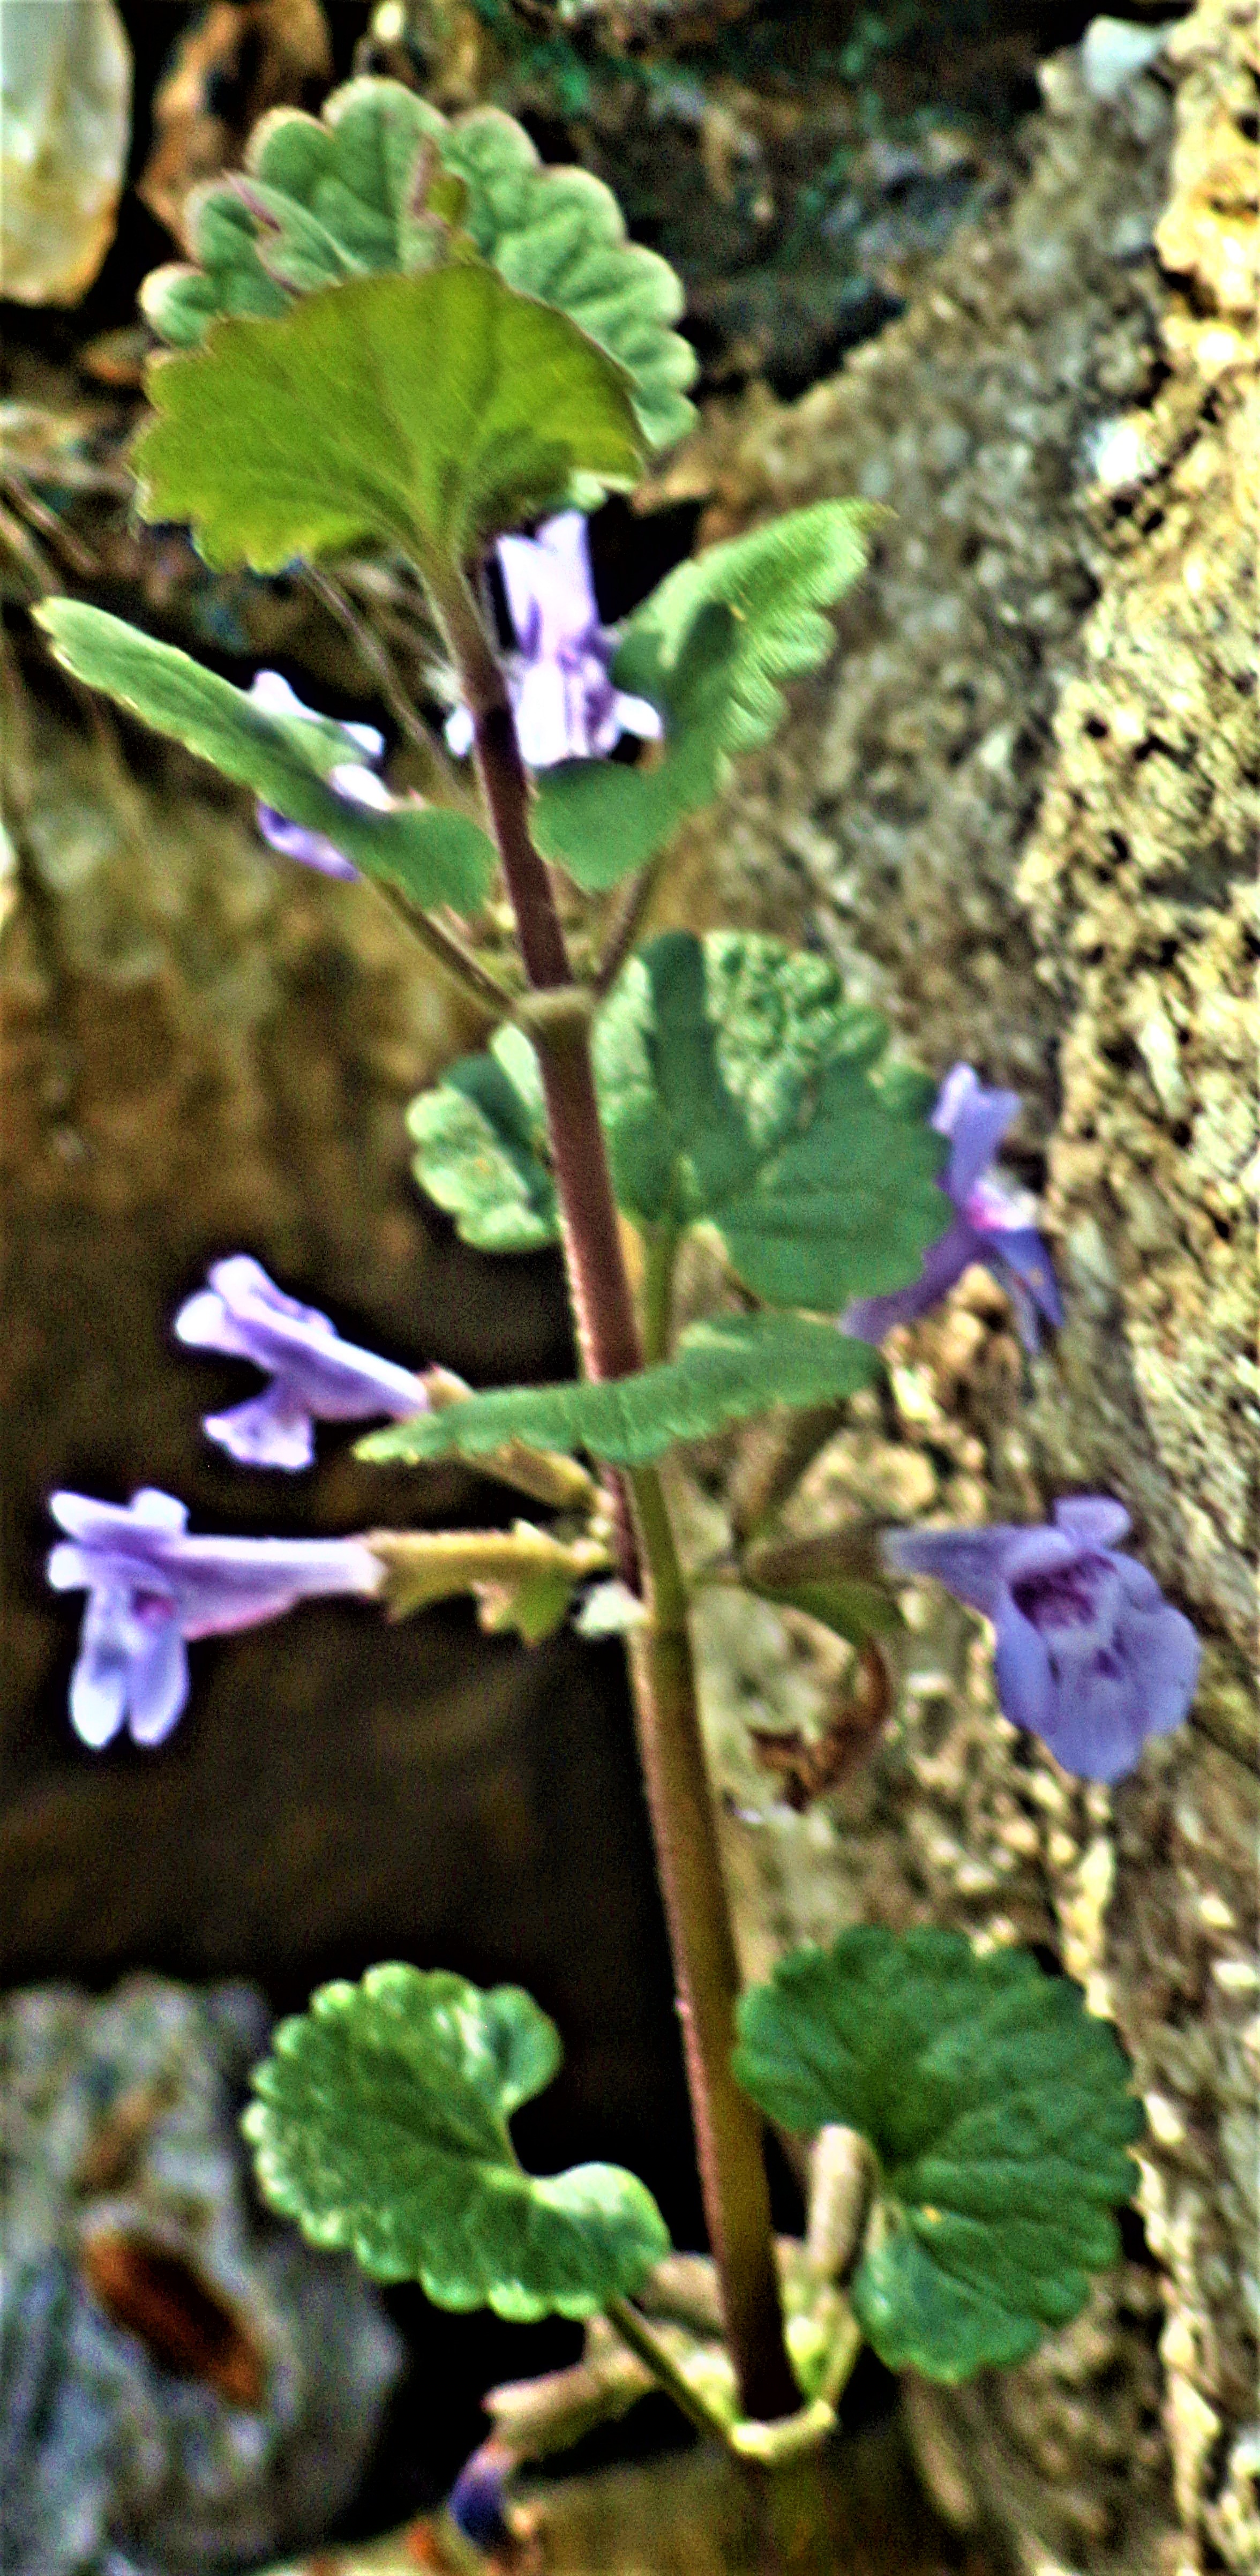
<point>271,694</point>
<point>316,1376</point>
<point>150,1586</point>
<point>350,779</point>
<point>476,2501</point>
<point>1088,1654</point>
<point>1093,1520</point>
<point>994,1224</point>
<point>969,1562</point>
<point>547,579</point>
<point>271,1430</point>
<point>1028,1277</point>
<point>294,841</point>
<point>559,681</point>
<point>975,1121</point>
<point>868,1319</point>
<point>131,1666</point>
<point>546,726</point>
<point>638,716</point>
<point>1022,1673</point>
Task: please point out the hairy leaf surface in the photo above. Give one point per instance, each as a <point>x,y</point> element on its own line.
<point>425,412</point>
<point>737,1088</point>
<point>381,2126</point>
<point>738,1092</point>
<point>724,1372</point>
<point>348,194</point>
<point>437,856</point>
<point>710,648</point>
<point>481,1135</point>
<point>999,2112</point>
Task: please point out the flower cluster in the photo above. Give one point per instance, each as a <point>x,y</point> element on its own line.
<point>559,681</point>
<point>150,1585</point>
<point>1089,1655</point>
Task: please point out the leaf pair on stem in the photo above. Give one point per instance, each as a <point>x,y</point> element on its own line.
<point>993,2106</point>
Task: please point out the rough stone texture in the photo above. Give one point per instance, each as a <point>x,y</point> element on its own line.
<point>1022,814</point>
<point>186,2386</point>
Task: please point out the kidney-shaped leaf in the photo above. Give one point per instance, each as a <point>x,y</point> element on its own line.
<point>437,856</point>
<point>423,412</point>
<point>342,195</point>
<point>999,2112</point>
<point>381,2127</point>
<point>724,1372</point>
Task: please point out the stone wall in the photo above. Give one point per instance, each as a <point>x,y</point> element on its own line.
<point>1022,813</point>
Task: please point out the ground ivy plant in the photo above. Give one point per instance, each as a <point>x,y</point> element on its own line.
<point>403,333</point>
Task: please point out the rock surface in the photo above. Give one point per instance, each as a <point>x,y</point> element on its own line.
<point>1022,814</point>
<point>185,2385</point>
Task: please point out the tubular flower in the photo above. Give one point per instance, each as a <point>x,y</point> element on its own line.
<point>1089,1655</point>
<point>150,1587</point>
<point>995,1222</point>
<point>315,1376</point>
<point>560,682</point>
<point>352,779</point>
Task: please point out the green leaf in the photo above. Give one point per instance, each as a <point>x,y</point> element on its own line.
<point>322,200</point>
<point>424,412</point>
<point>482,1139</point>
<point>710,649</point>
<point>738,1091</point>
<point>1000,2115</point>
<point>724,1371</point>
<point>436,855</point>
<point>855,1611</point>
<point>381,2126</point>
<point>835,1578</point>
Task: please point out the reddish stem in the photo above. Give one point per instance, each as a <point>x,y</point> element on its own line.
<point>558,1019</point>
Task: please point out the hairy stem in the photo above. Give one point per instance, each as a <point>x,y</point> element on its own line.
<point>474,980</point>
<point>656,1296</point>
<point>374,657</point>
<point>640,2338</point>
<point>603,1306</point>
<point>558,1019</point>
<point>625,921</point>
<point>728,2129</point>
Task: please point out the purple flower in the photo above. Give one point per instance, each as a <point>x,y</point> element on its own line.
<point>150,1587</point>
<point>476,2501</point>
<point>995,1224</point>
<point>1089,1656</point>
<point>315,1376</point>
<point>563,698</point>
<point>351,779</point>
